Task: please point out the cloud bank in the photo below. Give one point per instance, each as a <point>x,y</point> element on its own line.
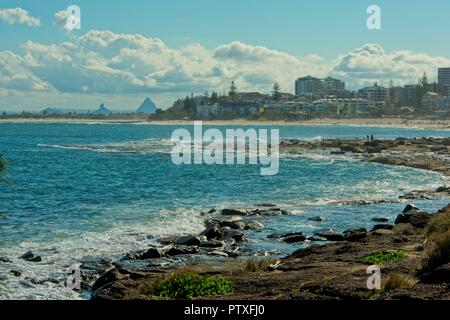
<point>107,63</point>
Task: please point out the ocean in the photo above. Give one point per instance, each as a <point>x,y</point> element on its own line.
<point>89,190</point>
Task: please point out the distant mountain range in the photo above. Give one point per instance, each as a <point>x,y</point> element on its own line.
<point>147,107</point>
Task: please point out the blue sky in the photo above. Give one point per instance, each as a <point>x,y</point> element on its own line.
<point>318,33</point>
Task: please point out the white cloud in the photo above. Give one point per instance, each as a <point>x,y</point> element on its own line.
<point>106,63</point>
<point>18,16</point>
<point>371,63</point>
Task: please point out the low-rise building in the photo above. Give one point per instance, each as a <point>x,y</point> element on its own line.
<point>375,94</point>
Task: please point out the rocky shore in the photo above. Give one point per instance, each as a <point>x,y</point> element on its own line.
<point>332,267</point>
<point>336,270</point>
<point>421,153</point>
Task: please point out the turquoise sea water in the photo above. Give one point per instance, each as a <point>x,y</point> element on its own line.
<point>91,190</point>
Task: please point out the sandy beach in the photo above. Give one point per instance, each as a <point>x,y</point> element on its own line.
<point>443,124</point>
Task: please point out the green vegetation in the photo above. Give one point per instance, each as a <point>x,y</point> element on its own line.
<point>260,265</point>
<point>188,285</point>
<point>398,281</point>
<point>382,257</point>
<point>276,95</point>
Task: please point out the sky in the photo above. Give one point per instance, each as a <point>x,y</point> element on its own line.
<point>128,50</point>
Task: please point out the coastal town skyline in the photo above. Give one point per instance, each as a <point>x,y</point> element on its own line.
<point>42,64</point>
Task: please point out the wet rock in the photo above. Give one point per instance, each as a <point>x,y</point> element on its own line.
<point>107,279</point>
<point>253,225</point>
<point>383,232</point>
<point>380,219</point>
<point>182,250</point>
<point>316,238</point>
<point>439,275</point>
<point>96,264</point>
<point>212,232</point>
<point>316,219</point>
<point>414,216</point>
<point>211,244</point>
<point>133,275</point>
<point>16,273</point>
<point>382,226</point>
<point>212,210</point>
<point>152,253</point>
<point>29,256</point>
<point>130,256</point>
<point>187,241</point>
<point>5,260</point>
<point>294,238</point>
<point>330,235</point>
<point>233,222</point>
<point>234,235</point>
<point>266,205</point>
<point>167,240</point>
<point>355,234</point>
<point>233,212</point>
<point>218,253</point>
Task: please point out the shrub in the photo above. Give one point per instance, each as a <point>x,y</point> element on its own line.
<point>438,225</point>
<point>381,257</point>
<point>439,254</point>
<point>188,285</point>
<point>398,281</point>
<point>256,265</point>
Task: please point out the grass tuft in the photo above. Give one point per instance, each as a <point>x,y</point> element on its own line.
<point>398,281</point>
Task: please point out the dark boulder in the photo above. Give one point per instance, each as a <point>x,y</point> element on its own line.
<point>294,238</point>
<point>107,279</point>
<point>438,275</point>
<point>182,250</point>
<point>29,256</point>
<point>212,232</point>
<point>234,235</point>
<point>316,219</point>
<point>316,238</point>
<point>413,216</point>
<point>211,244</point>
<point>330,235</point>
<point>16,273</point>
<point>233,212</point>
<point>355,234</point>
<point>253,225</point>
<point>380,219</point>
<point>152,253</point>
<point>5,260</point>
<point>233,222</point>
<point>187,241</point>
<point>167,240</point>
<point>383,226</point>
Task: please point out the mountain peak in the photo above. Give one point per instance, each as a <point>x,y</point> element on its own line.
<point>147,106</point>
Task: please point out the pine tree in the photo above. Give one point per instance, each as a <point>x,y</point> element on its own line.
<point>233,90</point>
<point>276,95</point>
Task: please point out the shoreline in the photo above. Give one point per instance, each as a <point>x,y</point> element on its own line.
<point>423,124</point>
<point>333,265</point>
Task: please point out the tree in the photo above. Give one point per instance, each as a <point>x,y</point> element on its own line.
<point>214,97</point>
<point>232,93</point>
<point>276,95</point>
<point>422,88</point>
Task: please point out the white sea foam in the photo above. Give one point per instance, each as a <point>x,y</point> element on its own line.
<point>58,255</point>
